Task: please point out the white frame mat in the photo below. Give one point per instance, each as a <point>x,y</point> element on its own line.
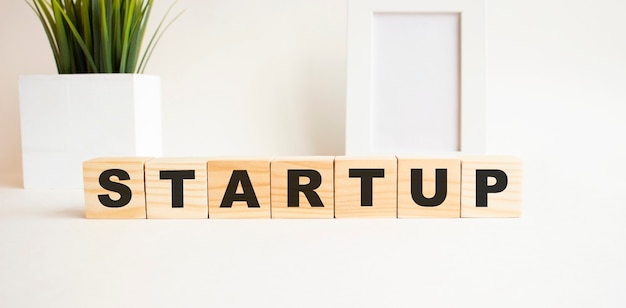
<point>470,133</point>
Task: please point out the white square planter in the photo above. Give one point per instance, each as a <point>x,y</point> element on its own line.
<point>66,119</point>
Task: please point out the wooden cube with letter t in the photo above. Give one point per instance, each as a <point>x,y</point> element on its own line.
<point>239,187</point>
<point>302,187</point>
<point>114,187</point>
<point>429,187</point>
<point>491,186</point>
<point>176,188</point>
<point>365,186</point>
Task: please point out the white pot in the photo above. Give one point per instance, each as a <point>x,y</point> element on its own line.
<point>66,119</point>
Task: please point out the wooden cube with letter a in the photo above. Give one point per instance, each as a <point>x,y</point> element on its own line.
<point>365,187</point>
<point>176,188</point>
<point>302,187</point>
<point>239,187</point>
<point>114,187</point>
<point>429,187</point>
<point>491,186</point>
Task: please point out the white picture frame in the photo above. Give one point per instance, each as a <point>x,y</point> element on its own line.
<point>360,75</point>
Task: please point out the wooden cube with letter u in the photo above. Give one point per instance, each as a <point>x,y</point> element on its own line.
<point>429,187</point>
<point>365,186</point>
<point>114,187</point>
<point>239,187</point>
<point>302,187</point>
<point>176,188</point>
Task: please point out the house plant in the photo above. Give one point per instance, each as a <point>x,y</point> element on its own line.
<point>100,103</point>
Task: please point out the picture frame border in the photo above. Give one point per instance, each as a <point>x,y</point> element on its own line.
<point>472,132</point>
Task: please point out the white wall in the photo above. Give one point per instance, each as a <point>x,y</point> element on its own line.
<point>556,96</point>
<point>268,77</point>
<point>239,77</point>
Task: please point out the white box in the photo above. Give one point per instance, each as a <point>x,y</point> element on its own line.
<point>66,119</point>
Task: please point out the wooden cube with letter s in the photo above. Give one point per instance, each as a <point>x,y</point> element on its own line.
<point>114,187</point>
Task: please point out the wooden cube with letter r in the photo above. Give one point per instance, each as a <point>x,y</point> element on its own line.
<point>491,186</point>
<point>114,187</point>
<point>239,187</point>
<point>302,187</point>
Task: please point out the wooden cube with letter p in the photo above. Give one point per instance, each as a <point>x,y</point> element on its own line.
<point>365,187</point>
<point>176,188</point>
<point>239,187</point>
<point>429,187</point>
<point>302,187</point>
<point>491,186</point>
<point>114,187</point>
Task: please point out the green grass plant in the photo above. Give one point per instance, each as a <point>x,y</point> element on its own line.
<point>99,36</point>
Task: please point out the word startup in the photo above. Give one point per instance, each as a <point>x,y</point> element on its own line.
<point>302,187</point>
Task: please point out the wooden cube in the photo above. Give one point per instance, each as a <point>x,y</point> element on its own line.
<point>176,188</point>
<point>429,187</point>
<point>302,187</point>
<point>491,186</point>
<point>365,187</point>
<point>114,187</point>
<point>239,187</point>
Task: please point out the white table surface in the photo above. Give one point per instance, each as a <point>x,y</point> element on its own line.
<point>568,250</point>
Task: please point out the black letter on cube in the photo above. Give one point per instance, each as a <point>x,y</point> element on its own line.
<point>125,193</point>
<point>482,189</point>
<point>366,176</point>
<point>441,187</point>
<point>294,187</point>
<point>231,195</point>
<point>177,177</point>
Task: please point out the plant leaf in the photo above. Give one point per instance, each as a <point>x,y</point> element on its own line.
<point>99,36</point>
<point>148,53</point>
<point>79,40</point>
<point>47,28</point>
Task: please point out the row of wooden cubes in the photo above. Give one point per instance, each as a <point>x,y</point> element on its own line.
<point>302,187</point>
